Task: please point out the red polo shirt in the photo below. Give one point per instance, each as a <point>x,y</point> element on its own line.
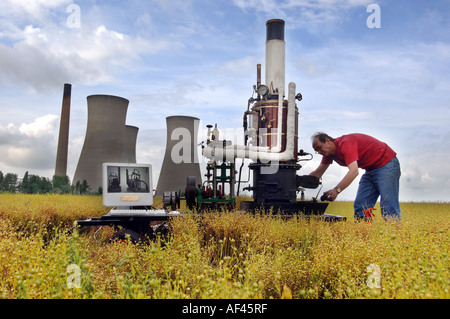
<point>369,152</point>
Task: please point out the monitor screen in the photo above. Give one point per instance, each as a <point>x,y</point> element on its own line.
<point>127,184</point>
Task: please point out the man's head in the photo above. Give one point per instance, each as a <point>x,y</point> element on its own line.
<point>323,144</point>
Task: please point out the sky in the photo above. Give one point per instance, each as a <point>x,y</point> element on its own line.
<point>382,72</point>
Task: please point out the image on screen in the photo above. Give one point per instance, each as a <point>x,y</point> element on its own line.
<point>126,185</point>
<point>128,179</point>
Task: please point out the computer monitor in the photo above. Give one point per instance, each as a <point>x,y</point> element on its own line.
<point>126,185</point>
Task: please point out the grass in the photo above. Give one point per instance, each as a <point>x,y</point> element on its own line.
<point>223,255</point>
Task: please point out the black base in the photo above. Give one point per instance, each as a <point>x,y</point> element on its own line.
<point>327,217</point>
<point>300,207</point>
<point>306,209</point>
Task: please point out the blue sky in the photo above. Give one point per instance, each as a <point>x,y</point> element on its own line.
<point>199,58</point>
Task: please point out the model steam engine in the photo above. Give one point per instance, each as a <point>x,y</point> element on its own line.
<point>271,142</point>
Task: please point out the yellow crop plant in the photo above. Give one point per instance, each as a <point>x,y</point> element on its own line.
<point>222,254</point>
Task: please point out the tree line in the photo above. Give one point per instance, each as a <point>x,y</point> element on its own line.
<point>34,184</point>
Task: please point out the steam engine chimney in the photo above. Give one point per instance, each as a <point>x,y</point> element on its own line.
<point>275,57</point>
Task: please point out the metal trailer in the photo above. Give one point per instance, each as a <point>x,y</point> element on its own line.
<point>140,224</point>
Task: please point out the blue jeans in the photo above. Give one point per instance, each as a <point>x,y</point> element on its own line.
<point>381,182</point>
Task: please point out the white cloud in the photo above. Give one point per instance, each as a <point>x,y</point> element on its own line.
<point>29,145</point>
<point>313,15</point>
<point>37,10</point>
<point>42,126</point>
<point>46,53</point>
<point>271,5</point>
<point>239,67</point>
<point>374,78</point>
<point>424,175</point>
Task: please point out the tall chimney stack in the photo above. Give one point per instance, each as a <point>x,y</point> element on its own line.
<point>275,56</point>
<point>63,142</point>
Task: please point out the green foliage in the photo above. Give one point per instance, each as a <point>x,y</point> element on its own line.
<point>34,184</point>
<point>61,184</point>
<point>8,182</point>
<point>81,188</point>
<point>84,187</point>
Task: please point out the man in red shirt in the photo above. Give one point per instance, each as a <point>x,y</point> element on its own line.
<point>381,178</point>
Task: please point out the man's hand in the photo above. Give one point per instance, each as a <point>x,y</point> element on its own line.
<point>331,195</point>
<point>346,181</point>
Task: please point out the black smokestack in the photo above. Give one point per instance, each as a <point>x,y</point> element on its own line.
<point>63,142</point>
<point>275,29</point>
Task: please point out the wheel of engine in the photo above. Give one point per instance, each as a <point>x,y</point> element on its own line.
<point>190,192</point>
<point>126,234</point>
<point>171,200</point>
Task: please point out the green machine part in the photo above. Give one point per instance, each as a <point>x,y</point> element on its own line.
<point>219,176</point>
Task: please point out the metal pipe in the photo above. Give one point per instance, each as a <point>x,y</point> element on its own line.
<point>216,150</point>
<point>258,75</point>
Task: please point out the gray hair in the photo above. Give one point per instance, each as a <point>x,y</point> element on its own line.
<point>322,137</point>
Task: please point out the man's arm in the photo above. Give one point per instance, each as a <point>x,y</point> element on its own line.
<point>319,170</point>
<point>345,182</point>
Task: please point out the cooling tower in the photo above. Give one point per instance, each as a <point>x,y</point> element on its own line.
<point>107,139</point>
<point>180,160</point>
<point>63,141</point>
<point>131,138</point>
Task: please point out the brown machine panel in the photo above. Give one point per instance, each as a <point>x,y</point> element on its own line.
<point>268,124</point>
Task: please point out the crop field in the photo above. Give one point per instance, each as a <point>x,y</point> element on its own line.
<point>222,254</point>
